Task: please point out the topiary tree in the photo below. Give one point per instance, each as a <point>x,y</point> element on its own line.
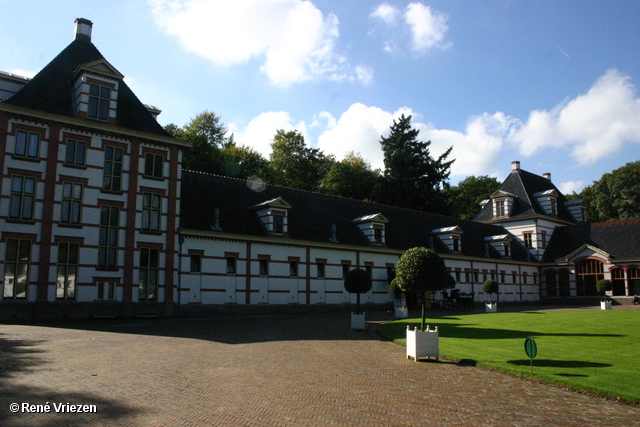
<point>603,286</point>
<point>395,289</point>
<point>421,270</point>
<point>490,287</point>
<point>357,282</point>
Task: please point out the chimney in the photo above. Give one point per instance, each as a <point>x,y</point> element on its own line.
<point>547,175</point>
<point>83,30</point>
<point>515,166</point>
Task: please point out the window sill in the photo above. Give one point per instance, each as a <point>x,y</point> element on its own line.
<point>151,233</point>
<point>116,192</point>
<point>21,221</point>
<point>74,166</point>
<point>153,178</point>
<point>104,268</point>
<point>26,158</point>
<point>65,225</point>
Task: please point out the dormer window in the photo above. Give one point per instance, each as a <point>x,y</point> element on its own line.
<point>548,200</point>
<point>373,227</point>
<point>577,210</point>
<point>450,237</point>
<point>502,203</point>
<point>99,99</point>
<point>273,214</point>
<point>500,243</point>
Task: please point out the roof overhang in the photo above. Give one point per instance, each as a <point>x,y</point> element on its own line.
<point>582,248</point>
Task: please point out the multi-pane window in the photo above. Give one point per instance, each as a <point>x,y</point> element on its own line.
<point>293,268</point>
<point>264,266</point>
<point>66,283</point>
<point>500,208</point>
<point>99,99</point>
<point>106,290</point>
<point>151,211</point>
<point>23,190</point>
<point>507,250</point>
<point>153,165</point>
<point>148,287</point>
<point>108,244</point>
<point>76,152</point>
<point>456,243</point>
<point>377,235</point>
<point>278,224</point>
<point>321,269</point>
<point>345,270</point>
<point>112,174</point>
<point>27,144</point>
<point>231,265</point>
<point>71,207</point>
<point>528,240</point>
<point>554,207</point>
<point>16,268</point>
<point>195,261</point>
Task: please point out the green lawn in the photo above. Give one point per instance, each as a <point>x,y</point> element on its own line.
<point>596,351</point>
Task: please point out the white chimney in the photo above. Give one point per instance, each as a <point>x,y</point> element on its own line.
<point>515,166</point>
<point>83,30</point>
<point>547,175</point>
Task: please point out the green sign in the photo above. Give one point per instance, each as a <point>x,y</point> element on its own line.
<point>530,348</point>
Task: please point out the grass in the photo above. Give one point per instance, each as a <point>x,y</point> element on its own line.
<point>593,351</point>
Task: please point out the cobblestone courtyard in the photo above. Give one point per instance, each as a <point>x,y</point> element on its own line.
<point>293,370</point>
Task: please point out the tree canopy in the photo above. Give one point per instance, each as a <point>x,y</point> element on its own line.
<point>412,178</point>
<point>352,178</point>
<point>358,281</point>
<point>615,196</point>
<point>465,197</point>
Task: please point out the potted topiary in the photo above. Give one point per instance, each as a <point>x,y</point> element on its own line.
<point>491,287</point>
<point>421,270</point>
<point>357,281</point>
<point>603,286</point>
<point>400,310</point>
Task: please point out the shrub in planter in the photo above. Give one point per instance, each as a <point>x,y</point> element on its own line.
<point>490,287</point>
<point>604,285</point>
<point>357,282</point>
<point>421,270</point>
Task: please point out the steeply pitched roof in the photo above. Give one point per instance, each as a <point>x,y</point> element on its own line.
<point>523,185</point>
<point>312,215</point>
<point>620,239</point>
<point>51,91</point>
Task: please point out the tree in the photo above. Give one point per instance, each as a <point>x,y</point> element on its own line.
<point>293,164</point>
<point>616,196</point>
<point>207,135</point>
<point>351,178</point>
<point>412,178</point>
<point>358,282</point>
<point>421,270</point>
<point>243,162</point>
<point>490,287</point>
<point>465,198</point>
<point>603,286</point>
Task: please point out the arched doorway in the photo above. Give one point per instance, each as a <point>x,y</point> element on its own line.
<point>588,272</point>
<point>618,281</point>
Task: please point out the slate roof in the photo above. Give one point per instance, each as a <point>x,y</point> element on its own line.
<point>524,185</point>
<point>50,90</point>
<point>620,239</point>
<point>311,217</point>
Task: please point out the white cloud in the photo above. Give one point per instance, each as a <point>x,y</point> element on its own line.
<point>571,187</point>
<point>364,74</point>
<point>24,73</point>
<point>592,126</point>
<point>295,39</point>
<point>260,131</point>
<point>359,130</point>
<point>386,13</point>
<point>428,28</point>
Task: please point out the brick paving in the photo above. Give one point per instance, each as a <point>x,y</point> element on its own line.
<point>293,370</point>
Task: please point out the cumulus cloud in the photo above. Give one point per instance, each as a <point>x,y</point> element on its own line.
<point>571,187</point>
<point>259,133</point>
<point>592,126</point>
<point>295,39</point>
<point>427,28</point>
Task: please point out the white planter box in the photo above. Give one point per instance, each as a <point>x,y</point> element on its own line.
<point>605,305</point>
<point>401,312</point>
<point>357,322</point>
<point>492,308</point>
<point>422,343</point>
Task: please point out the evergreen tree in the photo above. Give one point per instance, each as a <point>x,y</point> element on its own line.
<point>412,178</point>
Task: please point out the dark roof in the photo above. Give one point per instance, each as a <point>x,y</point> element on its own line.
<point>620,239</point>
<point>51,90</point>
<point>312,215</point>
<point>524,185</point>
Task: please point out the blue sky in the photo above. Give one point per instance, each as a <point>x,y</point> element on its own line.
<point>549,83</point>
